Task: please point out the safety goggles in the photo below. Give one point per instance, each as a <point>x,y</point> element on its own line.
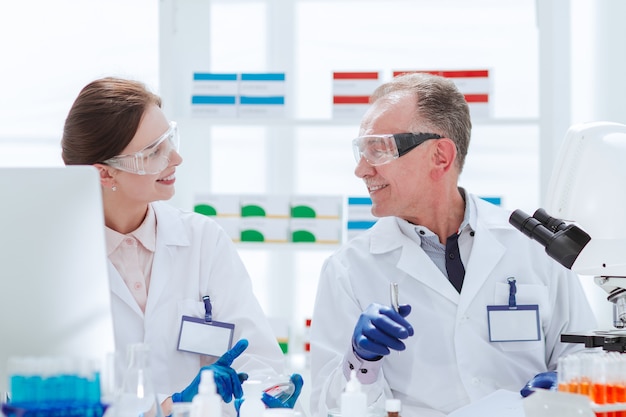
<point>382,149</point>
<point>152,159</point>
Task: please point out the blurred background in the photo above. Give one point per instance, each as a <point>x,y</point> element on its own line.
<point>551,64</point>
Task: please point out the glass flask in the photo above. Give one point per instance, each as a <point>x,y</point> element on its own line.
<point>137,396</point>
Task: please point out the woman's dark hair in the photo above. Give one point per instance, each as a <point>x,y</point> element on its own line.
<point>103,120</point>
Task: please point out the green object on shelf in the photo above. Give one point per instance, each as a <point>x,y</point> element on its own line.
<point>284,346</point>
<point>303,211</point>
<point>252,211</point>
<point>302,236</point>
<point>205,209</point>
<point>252,236</point>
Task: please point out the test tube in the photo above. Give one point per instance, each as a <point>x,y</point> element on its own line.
<point>586,373</point>
<point>393,292</point>
<point>620,388</point>
<point>569,374</point>
<point>612,379</point>
<point>599,382</point>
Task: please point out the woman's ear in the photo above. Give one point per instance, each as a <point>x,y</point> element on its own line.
<point>444,156</point>
<point>107,180</point>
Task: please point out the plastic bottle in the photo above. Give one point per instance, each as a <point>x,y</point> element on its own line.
<point>206,403</point>
<point>353,400</point>
<point>252,405</point>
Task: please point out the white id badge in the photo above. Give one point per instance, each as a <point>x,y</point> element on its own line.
<point>518,323</point>
<point>211,338</point>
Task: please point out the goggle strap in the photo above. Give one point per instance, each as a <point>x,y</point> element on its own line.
<point>407,141</point>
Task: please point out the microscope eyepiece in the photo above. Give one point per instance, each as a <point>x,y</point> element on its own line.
<point>531,227</point>
<point>562,242</point>
<point>548,221</point>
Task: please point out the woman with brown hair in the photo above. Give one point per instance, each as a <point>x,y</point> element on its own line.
<point>167,267</point>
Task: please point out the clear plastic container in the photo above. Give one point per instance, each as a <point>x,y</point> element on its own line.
<point>279,387</point>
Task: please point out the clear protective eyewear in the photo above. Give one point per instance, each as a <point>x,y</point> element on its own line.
<point>152,159</point>
<point>382,149</point>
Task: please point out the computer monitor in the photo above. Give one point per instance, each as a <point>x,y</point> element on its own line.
<point>54,289</point>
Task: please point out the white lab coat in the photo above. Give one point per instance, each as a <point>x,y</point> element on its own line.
<point>193,257</point>
<point>449,362</point>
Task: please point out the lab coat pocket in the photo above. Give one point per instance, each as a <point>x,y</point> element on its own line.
<point>190,307</point>
<point>520,346</point>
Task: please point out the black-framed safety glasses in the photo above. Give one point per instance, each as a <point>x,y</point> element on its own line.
<point>382,149</point>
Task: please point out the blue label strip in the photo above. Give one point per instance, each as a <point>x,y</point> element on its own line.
<point>279,100</point>
<point>263,77</point>
<point>205,76</point>
<point>221,100</point>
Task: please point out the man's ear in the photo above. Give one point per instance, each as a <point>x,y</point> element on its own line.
<point>107,180</point>
<point>444,156</point>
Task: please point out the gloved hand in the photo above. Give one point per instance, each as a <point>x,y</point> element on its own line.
<point>544,380</point>
<point>380,329</point>
<point>273,402</point>
<point>227,380</point>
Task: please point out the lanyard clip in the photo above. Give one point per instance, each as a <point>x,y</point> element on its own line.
<point>512,291</point>
<point>207,309</point>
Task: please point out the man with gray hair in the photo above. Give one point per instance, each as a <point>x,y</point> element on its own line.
<point>482,307</point>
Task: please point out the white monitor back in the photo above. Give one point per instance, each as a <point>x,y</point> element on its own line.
<point>54,289</point>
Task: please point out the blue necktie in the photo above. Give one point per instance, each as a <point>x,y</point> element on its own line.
<point>454,266</point>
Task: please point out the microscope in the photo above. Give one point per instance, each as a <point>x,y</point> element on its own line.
<point>587,197</point>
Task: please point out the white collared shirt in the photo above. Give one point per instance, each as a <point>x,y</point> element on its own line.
<point>132,256</point>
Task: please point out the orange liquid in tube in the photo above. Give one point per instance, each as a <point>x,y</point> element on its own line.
<point>610,398</point>
<point>598,396</point>
<point>598,393</point>
<point>574,387</point>
<point>620,397</point>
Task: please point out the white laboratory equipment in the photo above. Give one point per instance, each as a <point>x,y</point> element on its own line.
<point>587,234</point>
<point>54,291</point>
<point>588,231</point>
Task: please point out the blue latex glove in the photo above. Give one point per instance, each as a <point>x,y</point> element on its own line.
<point>379,329</point>
<point>544,380</point>
<point>227,380</point>
<point>273,402</point>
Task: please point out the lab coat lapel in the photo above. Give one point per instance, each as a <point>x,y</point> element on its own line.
<point>171,234</point>
<point>485,255</point>
<point>119,288</point>
<point>417,264</point>
<point>413,260</point>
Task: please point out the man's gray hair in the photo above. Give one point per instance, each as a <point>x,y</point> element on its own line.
<point>441,107</point>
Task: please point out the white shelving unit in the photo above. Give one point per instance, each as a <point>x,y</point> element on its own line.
<point>308,152</point>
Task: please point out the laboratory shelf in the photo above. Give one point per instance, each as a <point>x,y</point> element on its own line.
<point>284,122</point>
<point>287,247</point>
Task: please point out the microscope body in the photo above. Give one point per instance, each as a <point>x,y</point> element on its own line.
<point>587,197</point>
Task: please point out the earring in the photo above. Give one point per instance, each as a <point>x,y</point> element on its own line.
<point>114,188</point>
